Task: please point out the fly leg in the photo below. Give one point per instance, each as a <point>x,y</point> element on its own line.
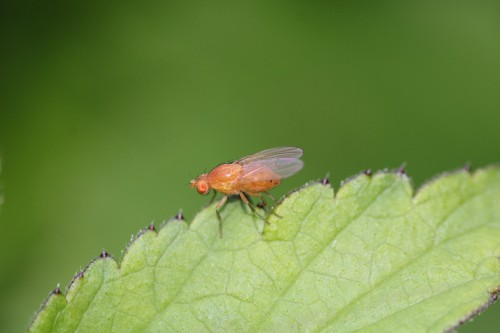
<point>213,198</point>
<point>263,204</point>
<point>263,201</point>
<point>274,199</point>
<point>271,196</point>
<point>217,210</point>
<point>245,200</point>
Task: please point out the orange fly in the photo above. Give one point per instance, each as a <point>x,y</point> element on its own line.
<point>252,175</point>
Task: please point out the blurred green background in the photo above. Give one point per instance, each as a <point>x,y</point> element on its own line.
<point>108,109</point>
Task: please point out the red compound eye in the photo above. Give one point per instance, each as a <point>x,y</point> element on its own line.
<point>202,188</point>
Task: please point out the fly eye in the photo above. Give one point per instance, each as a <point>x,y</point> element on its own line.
<point>202,188</point>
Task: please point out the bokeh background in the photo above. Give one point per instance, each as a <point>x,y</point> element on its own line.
<point>109,108</point>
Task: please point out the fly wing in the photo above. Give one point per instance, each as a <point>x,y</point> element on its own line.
<point>281,168</point>
<point>271,164</point>
<point>273,153</point>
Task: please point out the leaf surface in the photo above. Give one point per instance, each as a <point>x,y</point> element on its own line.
<point>373,258</point>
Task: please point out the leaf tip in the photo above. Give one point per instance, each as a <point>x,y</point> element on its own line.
<point>105,255</point>
<point>325,181</point>
<point>53,296</point>
<point>133,238</point>
<point>368,173</point>
<point>80,275</point>
<point>402,172</point>
<point>179,216</point>
<point>56,291</point>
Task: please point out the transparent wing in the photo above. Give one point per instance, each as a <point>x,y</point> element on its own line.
<point>273,153</point>
<point>271,164</point>
<point>270,169</point>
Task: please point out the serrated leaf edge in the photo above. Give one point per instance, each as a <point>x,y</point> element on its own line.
<point>399,172</point>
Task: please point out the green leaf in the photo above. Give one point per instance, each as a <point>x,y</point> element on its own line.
<point>374,258</point>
